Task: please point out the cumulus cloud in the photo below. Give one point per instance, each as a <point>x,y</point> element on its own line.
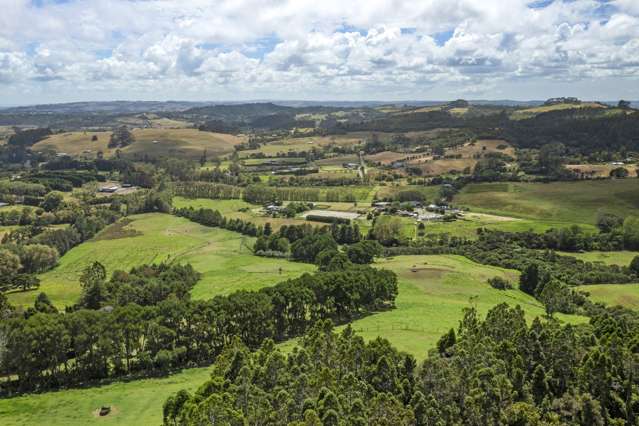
<point>305,49</point>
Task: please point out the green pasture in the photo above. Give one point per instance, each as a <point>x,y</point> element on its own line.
<point>620,258</point>
<point>433,291</point>
<point>223,257</point>
<point>568,202</point>
<point>626,295</point>
<point>137,402</point>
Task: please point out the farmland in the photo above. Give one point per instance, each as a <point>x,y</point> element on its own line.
<point>154,238</point>
<point>137,402</point>
<point>626,295</point>
<point>568,202</point>
<point>433,290</point>
<point>531,112</point>
<point>185,143</point>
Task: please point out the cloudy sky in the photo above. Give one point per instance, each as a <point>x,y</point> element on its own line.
<point>71,50</point>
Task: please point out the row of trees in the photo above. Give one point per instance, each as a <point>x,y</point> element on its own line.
<point>139,332</point>
<point>492,372</point>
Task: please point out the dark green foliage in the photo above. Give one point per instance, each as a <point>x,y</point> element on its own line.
<point>330,379</point>
<point>309,247</point>
<point>364,251</point>
<point>492,372</point>
<point>529,279</point>
<point>121,137</point>
<point>27,138</point>
<point>499,283</point>
<point>146,323</point>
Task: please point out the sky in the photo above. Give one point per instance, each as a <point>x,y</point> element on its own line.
<point>216,50</point>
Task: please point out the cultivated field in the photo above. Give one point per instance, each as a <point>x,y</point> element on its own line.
<point>183,143</point>
<point>433,290</point>
<point>626,295</point>
<point>569,202</point>
<point>223,257</point>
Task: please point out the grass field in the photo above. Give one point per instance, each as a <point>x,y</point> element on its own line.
<point>531,112</point>
<point>137,402</point>
<point>431,300</point>
<point>468,225</point>
<point>184,143</point>
<point>626,295</point>
<point>569,202</point>
<point>621,258</point>
<point>302,144</point>
<point>221,256</point>
<point>601,170</point>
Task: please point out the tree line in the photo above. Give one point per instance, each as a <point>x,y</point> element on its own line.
<point>499,371</point>
<point>143,322</point>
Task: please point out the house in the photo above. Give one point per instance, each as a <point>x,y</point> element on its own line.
<point>273,209</point>
<point>381,205</point>
<point>109,189</point>
<point>406,213</point>
<point>350,165</point>
<point>430,217</point>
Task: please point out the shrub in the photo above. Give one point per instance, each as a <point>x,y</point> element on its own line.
<point>499,283</point>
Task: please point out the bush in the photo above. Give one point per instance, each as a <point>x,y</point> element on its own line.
<point>499,283</point>
<point>328,219</point>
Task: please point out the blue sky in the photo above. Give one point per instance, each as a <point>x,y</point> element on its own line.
<point>71,50</point>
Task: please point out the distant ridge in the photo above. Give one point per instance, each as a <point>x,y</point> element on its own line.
<point>128,107</point>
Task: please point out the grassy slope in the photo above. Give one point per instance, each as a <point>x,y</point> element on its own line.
<point>621,258</point>
<point>187,143</point>
<point>626,295</point>
<point>431,300</point>
<point>134,403</point>
<point>225,262</point>
<point>569,202</point>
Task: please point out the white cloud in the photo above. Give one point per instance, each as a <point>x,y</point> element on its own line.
<point>305,49</point>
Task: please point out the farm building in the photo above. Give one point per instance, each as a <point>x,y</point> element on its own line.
<point>109,189</point>
<point>328,214</point>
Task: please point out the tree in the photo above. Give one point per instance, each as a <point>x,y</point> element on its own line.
<point>631,232</point>
<point>529,279</point>
<point>38,258</point>
<point>619,173</point>
<point>551,158</point>
<point>44,305</point>
<point>203,158</point>
<point>93,286</point>
<point>9,264</point>
<point>52,201</point>
<point>388,230</point>
<point>606,222</point>
<point>624,104</point>
<point>121,137</point>
<point>446,342</point>
<point>363,252</point>
<point>634,265</point>
<point>539,384</point>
